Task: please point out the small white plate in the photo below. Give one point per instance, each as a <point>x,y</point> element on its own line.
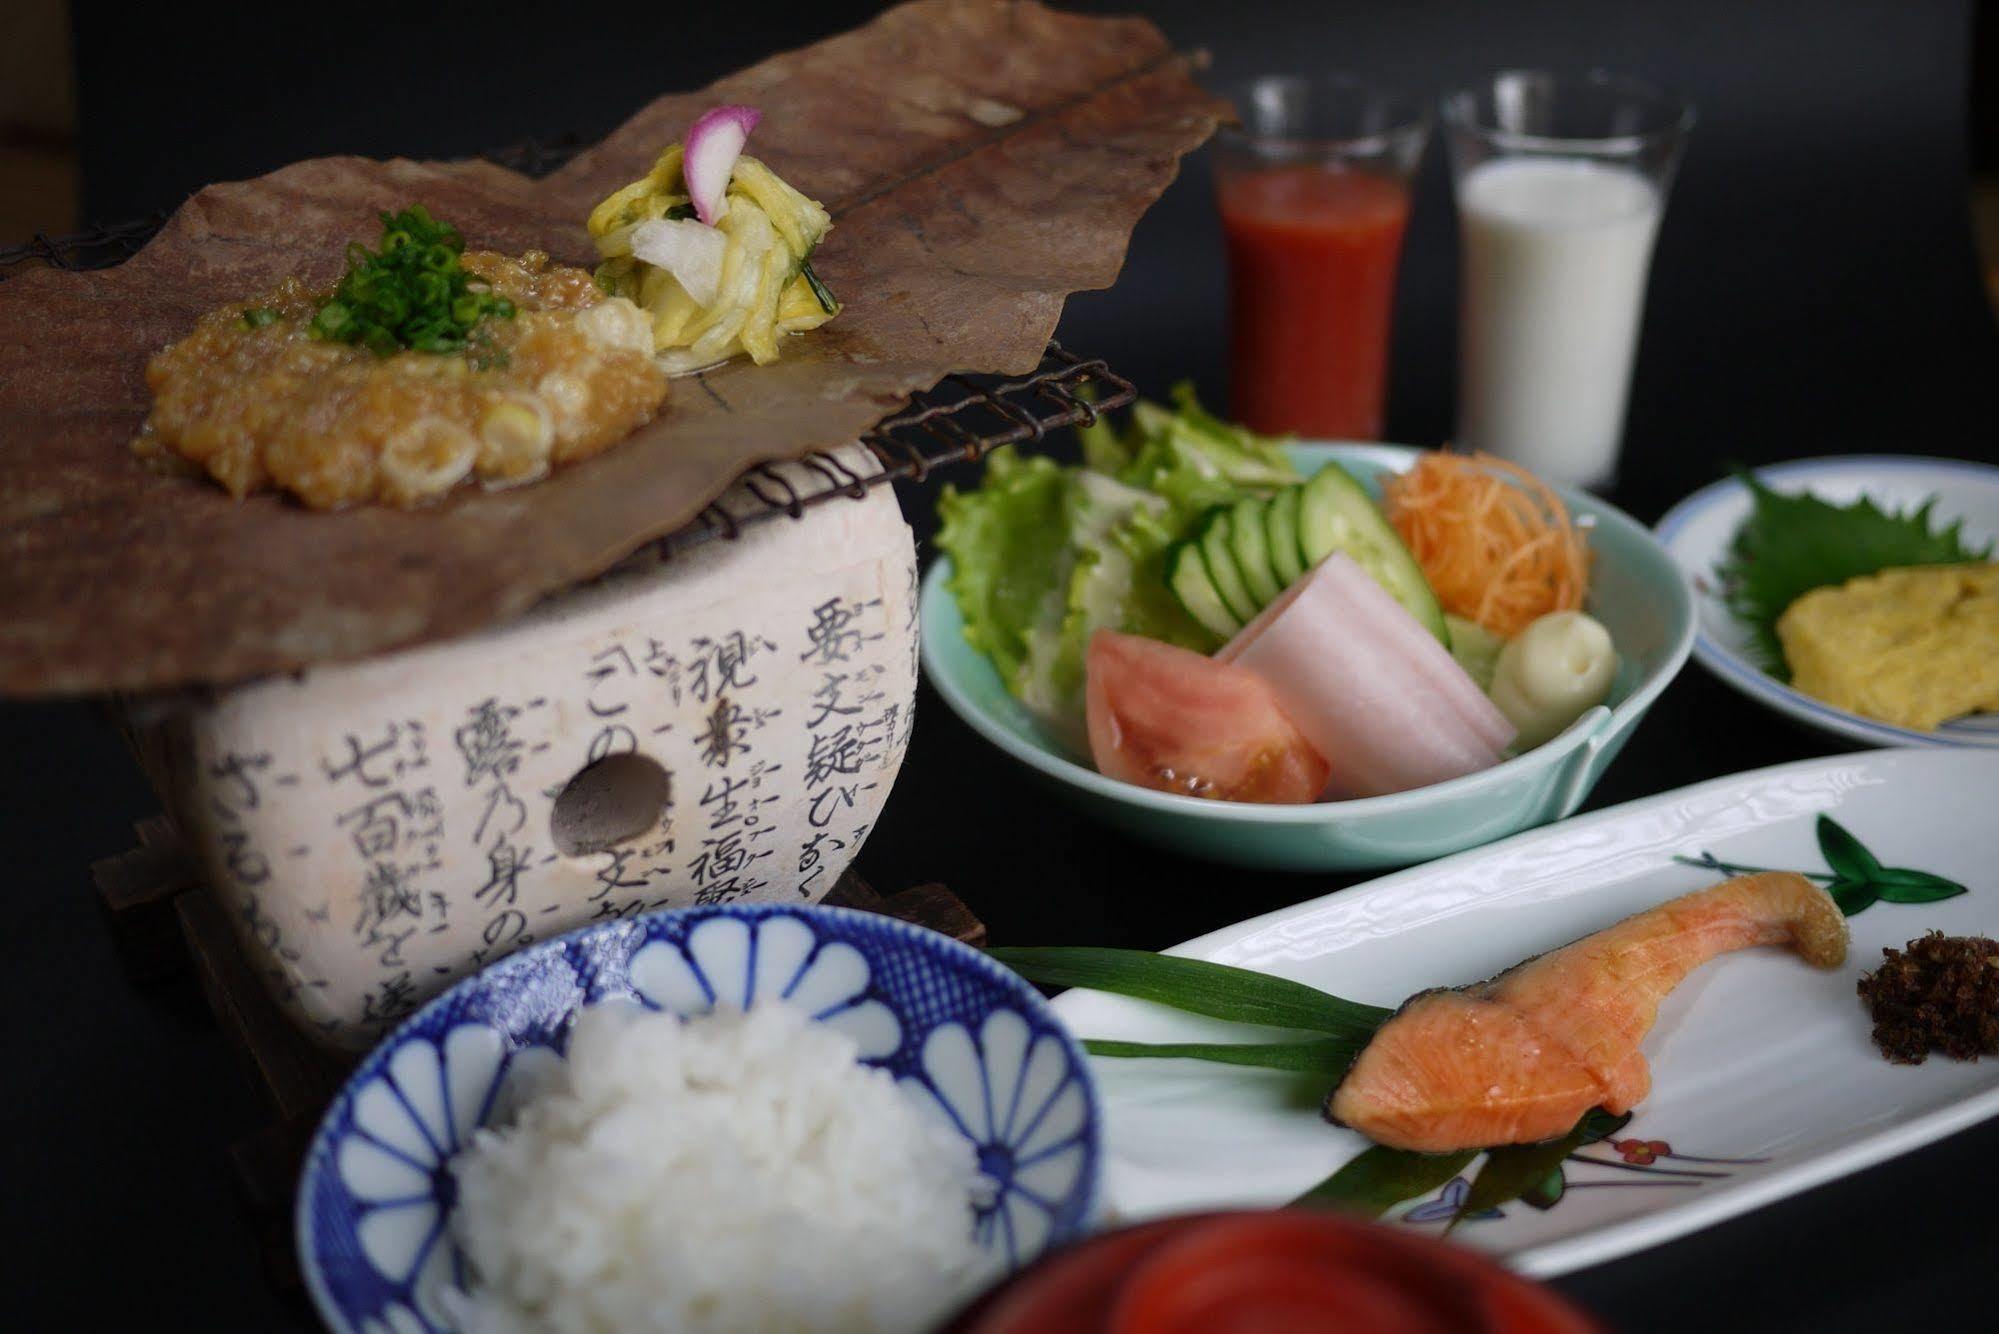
<point>1765,1079</point>
<point>1699,530</point>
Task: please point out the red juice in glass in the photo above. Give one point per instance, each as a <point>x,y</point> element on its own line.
<point>1314,197</point>
<point>1312,256</point>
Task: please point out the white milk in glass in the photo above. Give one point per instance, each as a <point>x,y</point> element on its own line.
<point>1555,256</point>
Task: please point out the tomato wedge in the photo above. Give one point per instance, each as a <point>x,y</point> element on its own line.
<point>1169,718</point>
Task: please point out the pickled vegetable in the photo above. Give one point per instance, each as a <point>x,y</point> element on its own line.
<point>716,247</point>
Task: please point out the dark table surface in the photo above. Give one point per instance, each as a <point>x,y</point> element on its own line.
<point>1815,292</point>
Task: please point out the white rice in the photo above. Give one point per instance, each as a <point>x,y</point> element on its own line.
<point>738,1171</point>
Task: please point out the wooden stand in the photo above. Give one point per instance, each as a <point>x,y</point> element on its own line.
<point>164,923</point>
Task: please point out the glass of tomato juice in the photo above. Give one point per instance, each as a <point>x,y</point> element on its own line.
<point>1314,193</point>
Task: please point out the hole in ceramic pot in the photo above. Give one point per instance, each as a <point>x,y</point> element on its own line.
<point>609,802</point>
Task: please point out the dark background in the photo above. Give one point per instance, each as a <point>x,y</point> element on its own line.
<point>1816,291</point>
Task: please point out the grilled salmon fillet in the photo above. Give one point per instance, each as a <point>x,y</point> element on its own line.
<point>1520,1058</point>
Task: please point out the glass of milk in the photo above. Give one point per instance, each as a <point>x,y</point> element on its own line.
<point>1561,181</point>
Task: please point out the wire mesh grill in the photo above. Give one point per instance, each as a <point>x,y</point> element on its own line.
<point>961,419</point>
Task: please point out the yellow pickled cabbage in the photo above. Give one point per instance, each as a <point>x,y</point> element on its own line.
<point>767,287</point>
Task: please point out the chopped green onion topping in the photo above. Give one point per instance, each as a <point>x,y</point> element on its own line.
<point>488,355</point>
<point>413,293</point>
<point>257,317</point>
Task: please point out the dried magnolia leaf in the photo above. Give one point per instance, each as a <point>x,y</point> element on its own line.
<point>982,159</point>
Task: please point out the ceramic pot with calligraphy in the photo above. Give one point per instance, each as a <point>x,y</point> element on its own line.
<point>721,725</point>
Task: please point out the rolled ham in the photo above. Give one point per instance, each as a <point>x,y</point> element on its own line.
<point>1377,696</point>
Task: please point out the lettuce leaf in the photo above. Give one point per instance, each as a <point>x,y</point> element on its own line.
<point>1791,544</point>
<point>1009,552</point>
<point>1050,680</point>
<point>1197,461</point>
<point>1044,556</point>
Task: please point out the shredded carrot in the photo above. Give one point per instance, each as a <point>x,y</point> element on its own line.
<point>1497,546</point>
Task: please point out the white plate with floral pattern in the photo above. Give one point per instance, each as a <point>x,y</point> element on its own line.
<point>1765,1078</point>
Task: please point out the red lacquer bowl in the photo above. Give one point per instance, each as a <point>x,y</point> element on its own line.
<point>1268,1273</point>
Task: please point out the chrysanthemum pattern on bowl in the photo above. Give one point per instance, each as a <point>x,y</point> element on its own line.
<point>397,1320</point>
<point>409,1121</point>
<point>731,962</point>
<point>1011,1092</point>
<point>972,1043</point>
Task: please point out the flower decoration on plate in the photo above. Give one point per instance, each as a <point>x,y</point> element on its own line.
<point>971,1043</point>
<point>1450,1202</point>
<point>1018,1097</point>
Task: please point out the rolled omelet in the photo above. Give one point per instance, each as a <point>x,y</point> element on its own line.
<point>1914,647</point>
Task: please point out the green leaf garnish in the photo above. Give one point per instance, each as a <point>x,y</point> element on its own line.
<point>1322,1056</point>
<point>1196,986</point>
<point>413,293</point>
<point>1853,896</point>
<point>1846,855</point>
<point>1791,544</point>
<point>1546,1193</point>
<point>824,297</point>
<point>1380,1178</point>
<point>1515,1169</point>
<point>1861,880</point>
<point>1597,1124</point>
<point>1899,886</point>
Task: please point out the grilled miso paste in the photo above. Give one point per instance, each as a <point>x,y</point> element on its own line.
<point>330,396</point>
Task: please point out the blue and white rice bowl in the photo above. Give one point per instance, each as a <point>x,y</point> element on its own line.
<point>965,1037</point>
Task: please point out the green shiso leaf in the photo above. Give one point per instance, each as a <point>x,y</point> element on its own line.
<point>1380,1178</point>
<point>1319,1056</point>
<point>1792,544</point>
<point>1196,986</point>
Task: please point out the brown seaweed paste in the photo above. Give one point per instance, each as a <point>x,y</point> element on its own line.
<point>1938,993</point>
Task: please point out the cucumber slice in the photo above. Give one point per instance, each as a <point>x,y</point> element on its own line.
<point>1187,575</point>
<point>1249,543</point>
<point>1336,514</point>
<point>1476,649</point>
<point>1280,526</point>
<point>1217,547</point>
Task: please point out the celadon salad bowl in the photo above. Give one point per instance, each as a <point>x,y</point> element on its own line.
<point>1636,590</point>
